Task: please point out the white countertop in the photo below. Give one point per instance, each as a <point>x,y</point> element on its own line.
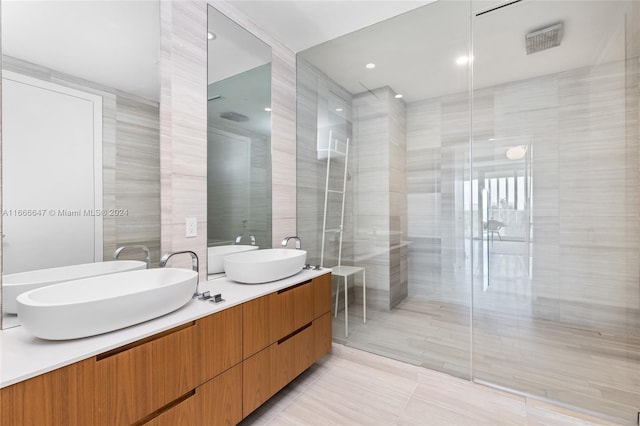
<point>23,356</point>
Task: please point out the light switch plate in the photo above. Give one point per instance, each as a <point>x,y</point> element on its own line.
<point>192,227</point>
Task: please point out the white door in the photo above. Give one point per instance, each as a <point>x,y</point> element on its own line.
<point>51,173</point>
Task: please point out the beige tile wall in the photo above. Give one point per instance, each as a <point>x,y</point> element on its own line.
<point>315,92</point>
<point>586,238</point>
<point>380,206</point>
<point>183,122</point>
<point>1,228</point>
<point>183,127</point>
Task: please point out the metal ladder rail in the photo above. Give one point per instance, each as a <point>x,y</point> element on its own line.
<point>340,230</point>
<point>344,193</point>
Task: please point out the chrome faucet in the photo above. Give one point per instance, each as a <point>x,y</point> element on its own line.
<point>194,259</point>
<point>253,239</point>
<point>194,263</point>
<point>297,239</point>
<point>147,253</point>
<point>244,230</point>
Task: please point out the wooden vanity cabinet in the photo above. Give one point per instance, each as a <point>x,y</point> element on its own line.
<point>292,309</point>
<point>298,320</point>
<point>321,295</point>
<point>212,371</point>
<point>137,380</point>
<point>217,402</point>
<point>61,397</point>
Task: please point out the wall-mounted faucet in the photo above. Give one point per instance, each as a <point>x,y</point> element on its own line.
<point>194,263</point>
<point>297,239</point>
<point>253,239</point>
<point>194,259</point>
<point>147,253</point>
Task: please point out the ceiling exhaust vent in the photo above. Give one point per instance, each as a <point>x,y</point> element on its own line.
<point>544,38</point>
<point>234,116</point>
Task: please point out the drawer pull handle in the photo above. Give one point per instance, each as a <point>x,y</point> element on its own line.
<point>298,331</point>
<point>165,408</point>
<point>293,286</point>
<point>141,342</point>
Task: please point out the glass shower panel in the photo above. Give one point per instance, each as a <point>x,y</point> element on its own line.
<point>555,136</point>
<point>407,209</point>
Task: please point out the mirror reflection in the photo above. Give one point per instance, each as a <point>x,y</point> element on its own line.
<point>238,140</point>
<point>80,140</point>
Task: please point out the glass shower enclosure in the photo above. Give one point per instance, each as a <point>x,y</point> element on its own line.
<point>492,192</point>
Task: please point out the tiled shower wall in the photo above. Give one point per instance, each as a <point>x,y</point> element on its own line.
<point>380,195</point>
<point>433,139</point>
<point>583,125</point>
<point>314,90</point>
<point>437,157</point>
<point>130,160</point>
<point>376,204</point>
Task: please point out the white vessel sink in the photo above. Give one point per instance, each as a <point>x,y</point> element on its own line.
<point>215,260</point>
<point>98,305</point>
<point>261,266</point>
<point>15,284</point>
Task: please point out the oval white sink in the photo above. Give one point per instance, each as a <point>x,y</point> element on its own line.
<point>15,284</point>
<point>215,260</point>
<point>98,305</point>
<point>261,266</point>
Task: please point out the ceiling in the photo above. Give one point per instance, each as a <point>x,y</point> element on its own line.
<point>234,50</point>
<point>301,24</point>
<point>415,53</point>
<point>239,76</point>
<point>117,42</point>
<point>114,43</point>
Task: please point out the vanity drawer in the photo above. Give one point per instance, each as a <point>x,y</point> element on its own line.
<point>61,397</point>
<point>292,355</point>
<point>135,380</point>
<point>292,308</point>
<point>322,331</point>
<point>256,324</point>
<point>321,295</point>
<point>257,383</point>
<point>276,315</point>
<point>271,369</point>
<point>219,339</point>
<point>217,402</point>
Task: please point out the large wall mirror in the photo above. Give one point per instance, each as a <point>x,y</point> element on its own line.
<point>238,138</point>
<point>80,142</point>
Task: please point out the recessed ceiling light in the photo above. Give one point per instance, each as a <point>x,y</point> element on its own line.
<point>463,60</point>
<point>211,36</point>
<point>399,96</point>
<point>516,152</point>
<point>339,109</point>
<point>370,66</point>
<point>267,109</point>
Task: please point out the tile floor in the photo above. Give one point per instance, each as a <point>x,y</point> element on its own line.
<point>354,387</point>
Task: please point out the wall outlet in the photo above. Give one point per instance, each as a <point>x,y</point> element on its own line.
<point>192,227</point>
